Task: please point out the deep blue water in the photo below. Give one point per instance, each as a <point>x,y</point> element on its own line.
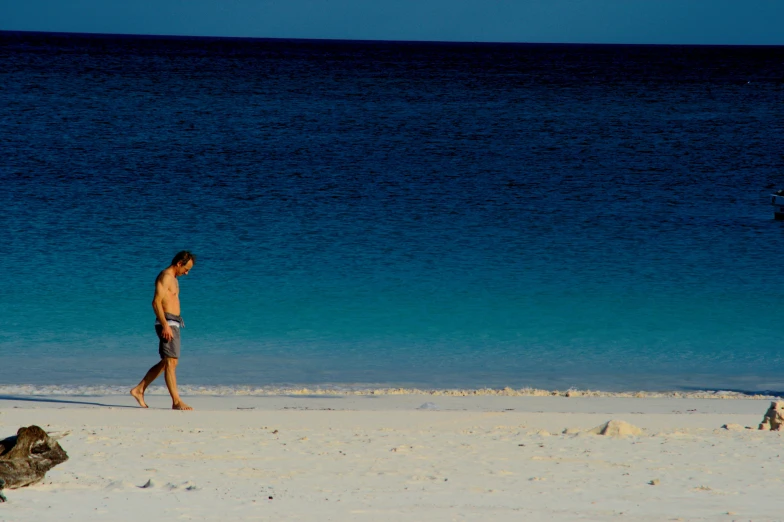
<point>372,214</point>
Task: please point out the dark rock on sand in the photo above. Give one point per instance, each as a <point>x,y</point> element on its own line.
<point>26,457</point>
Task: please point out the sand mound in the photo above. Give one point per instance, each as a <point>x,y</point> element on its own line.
<point>616,428</point>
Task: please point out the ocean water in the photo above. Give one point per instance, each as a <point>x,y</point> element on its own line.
<point>369,214</point>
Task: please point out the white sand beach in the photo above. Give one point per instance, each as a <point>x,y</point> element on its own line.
<point>399,457</point>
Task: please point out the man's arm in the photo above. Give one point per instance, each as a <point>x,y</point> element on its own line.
<point>157,306</point>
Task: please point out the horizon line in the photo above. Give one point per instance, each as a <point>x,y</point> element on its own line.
<point>375,41</point>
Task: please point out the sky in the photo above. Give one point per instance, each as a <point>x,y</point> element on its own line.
<point>731,22</point>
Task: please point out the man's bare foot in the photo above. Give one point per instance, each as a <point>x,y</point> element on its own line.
<point>181,406</point>
<point>138,394</point>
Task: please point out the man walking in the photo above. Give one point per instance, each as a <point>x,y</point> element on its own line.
<point>166,304</point>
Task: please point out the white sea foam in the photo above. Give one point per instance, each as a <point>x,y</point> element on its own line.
<point>103,390</point>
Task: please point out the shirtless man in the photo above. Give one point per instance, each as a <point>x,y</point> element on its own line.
<point>166,304</point>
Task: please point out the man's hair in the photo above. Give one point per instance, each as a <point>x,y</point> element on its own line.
<point>183,257</point>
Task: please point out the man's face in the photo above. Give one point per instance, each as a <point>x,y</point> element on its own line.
<point>184,269</point>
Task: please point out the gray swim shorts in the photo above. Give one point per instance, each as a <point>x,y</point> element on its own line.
<point>169,348</point>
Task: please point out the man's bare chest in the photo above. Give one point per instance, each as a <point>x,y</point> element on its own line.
<point>174,291</point>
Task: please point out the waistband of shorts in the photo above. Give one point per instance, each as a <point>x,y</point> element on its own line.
<point>172,320</point>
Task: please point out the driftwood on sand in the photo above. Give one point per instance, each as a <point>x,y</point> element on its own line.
<point>27,456</point>
<point>774,417</point>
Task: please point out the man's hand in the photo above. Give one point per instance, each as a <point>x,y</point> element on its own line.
<point>167,333</point>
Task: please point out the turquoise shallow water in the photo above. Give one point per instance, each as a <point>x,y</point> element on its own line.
<point>392,214</point>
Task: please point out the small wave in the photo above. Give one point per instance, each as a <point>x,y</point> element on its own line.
<point>264,391</point>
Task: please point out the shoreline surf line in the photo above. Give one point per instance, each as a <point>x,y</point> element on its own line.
<point>325,391</point>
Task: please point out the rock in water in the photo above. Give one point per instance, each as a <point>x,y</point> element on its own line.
<point>773,419</point>
<point>26,457</point>
<point>616,428</point>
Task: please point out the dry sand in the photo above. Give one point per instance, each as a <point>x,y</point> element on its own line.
<point>400,457</point>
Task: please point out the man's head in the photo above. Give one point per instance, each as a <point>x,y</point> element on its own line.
<point>183,262</point>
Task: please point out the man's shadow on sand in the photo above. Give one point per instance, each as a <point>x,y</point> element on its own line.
<point>62,401</point>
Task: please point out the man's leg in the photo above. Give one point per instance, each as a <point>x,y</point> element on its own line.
<point>170,374</point>
<point>152,374</point>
